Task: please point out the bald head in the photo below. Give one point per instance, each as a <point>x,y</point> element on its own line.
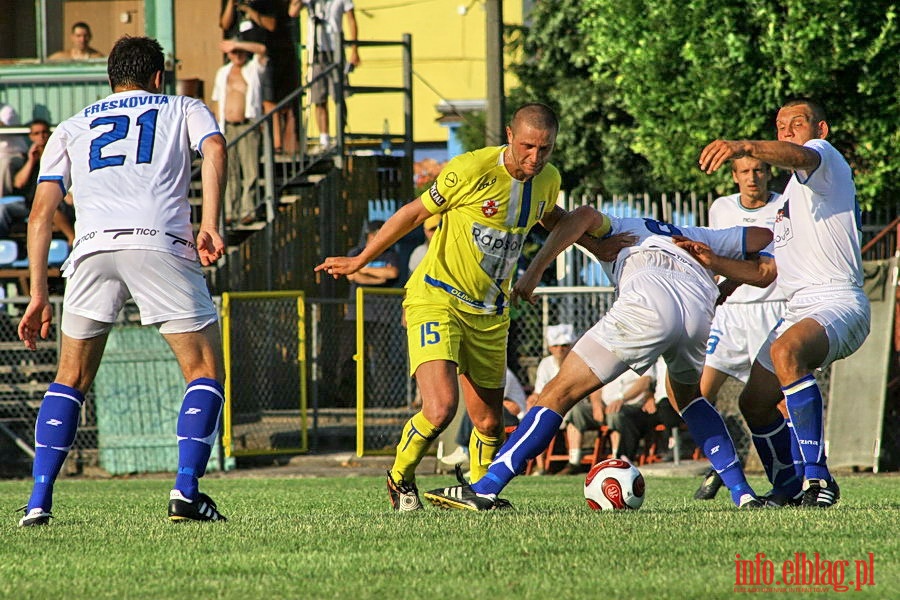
<point>536,115</point>
<point>531,136</point>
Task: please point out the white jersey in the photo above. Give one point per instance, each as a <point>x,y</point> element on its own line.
<point>127,159</point>
<point>656,236</point>
<point>547,370</point>
<point>728,211</point>
<point>817,231</point>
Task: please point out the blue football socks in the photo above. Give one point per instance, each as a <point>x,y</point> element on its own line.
<point>710,433</point>
<point>776,446</point>
<point>804,404</point>
<point>529,439</point>
<point>198,423</point>
<point>54,432</point>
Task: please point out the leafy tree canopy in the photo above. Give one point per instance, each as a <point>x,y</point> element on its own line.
<point>642,85</point>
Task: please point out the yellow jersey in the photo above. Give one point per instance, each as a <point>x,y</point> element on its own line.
<point>485,217</point>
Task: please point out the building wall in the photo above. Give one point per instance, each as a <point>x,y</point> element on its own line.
<point>106,20</point>
<point>197,37</point>
<point>448,60</point>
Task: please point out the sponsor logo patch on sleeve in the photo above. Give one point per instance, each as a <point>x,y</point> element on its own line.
<point>436,195</point>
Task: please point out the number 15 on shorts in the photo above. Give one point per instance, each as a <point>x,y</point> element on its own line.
<point>428,333</point>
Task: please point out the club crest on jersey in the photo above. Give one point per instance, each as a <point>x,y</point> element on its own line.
<point>489,208</point>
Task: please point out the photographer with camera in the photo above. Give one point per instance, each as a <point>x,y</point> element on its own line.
<point>267,22</point>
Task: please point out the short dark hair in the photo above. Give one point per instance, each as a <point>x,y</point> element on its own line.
<point>537,115</point>
<point>34,122</point>
<point>81,25</point>
<point>817,110</point>
<point>134,61</point>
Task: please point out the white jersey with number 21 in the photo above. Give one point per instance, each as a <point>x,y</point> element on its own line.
<point>127,159</point>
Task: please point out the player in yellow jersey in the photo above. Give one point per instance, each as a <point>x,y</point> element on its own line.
<point>456,301</point>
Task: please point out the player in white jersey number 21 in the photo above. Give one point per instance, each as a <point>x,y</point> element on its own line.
<point>127,159</point>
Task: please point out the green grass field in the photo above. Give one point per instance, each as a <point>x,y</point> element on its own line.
<point>335,538</point>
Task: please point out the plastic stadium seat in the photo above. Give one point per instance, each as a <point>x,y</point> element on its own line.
<point>654,442</point>
<point>9,252</point>
<point>59,252</point>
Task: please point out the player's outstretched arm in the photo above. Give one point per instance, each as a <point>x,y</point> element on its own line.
<point>565,232</point>
<point>36,319</point>
<point>786,155</point>
<point>210,245</point>
<point>410,216</point>
<point>604,248</point>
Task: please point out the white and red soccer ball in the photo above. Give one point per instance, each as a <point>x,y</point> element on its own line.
<point>614,484</point>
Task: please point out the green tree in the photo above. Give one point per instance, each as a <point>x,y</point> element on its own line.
<point>553,66</point>
<point>643,85</point>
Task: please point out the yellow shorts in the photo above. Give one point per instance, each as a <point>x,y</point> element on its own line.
<point>476,343</point>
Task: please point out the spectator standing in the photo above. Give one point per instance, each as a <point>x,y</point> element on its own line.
<point>145,180</point>
<point>237,92</point>
<point>382,271</point>
<point>326,33</point>
<point>267,22</point>
<point>81,37</point>
<point>818,263</point>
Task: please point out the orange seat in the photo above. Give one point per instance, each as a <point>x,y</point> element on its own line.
<point>558,451</point>
<point>653,443</point>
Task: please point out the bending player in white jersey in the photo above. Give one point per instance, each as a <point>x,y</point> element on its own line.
<point>743,322</point>
<point>819,267</point>
<point>129,156</point>
<point>664,307</point>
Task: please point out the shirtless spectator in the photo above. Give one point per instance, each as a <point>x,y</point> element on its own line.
<point>81,45</point>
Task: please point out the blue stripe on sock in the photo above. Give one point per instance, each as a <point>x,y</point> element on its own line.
<point>529,439</point>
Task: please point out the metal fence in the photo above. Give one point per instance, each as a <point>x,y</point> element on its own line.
<point>24,376</point>
<point>264,335</point>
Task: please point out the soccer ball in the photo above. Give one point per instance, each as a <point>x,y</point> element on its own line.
<point>614,484</point>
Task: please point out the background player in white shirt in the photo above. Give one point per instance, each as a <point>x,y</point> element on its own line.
<point>128,160</point>
<point>664,306</point>
<point>819,268</point>
<point>749,313</point>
